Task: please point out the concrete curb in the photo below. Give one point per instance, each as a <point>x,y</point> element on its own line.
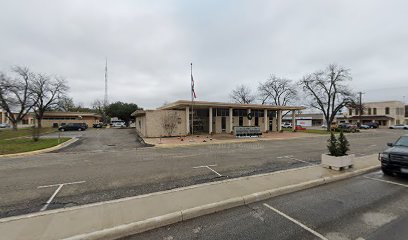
<point>57,147</point>
<point>152,223</point>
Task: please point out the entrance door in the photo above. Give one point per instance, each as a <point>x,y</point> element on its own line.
<point>270,125</point>
<point>223,124</point>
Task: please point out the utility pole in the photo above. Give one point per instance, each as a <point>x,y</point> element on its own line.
<point>105,98</point>
<point>360,110</point>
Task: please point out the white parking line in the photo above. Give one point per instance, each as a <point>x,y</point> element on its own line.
<point>208,166</point>
<point>60,185</point>
<point>381,180</point>
<point>295,159</point>
<point>297,222</point>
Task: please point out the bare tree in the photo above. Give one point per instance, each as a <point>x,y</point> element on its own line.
<point>328,91</point>
<point>100,108</point>
<point>16,97</point>
<point>66,104</point>
<point>169,122</point>
<point>277,91</point>
<point>47,92</point>
<point>242,94</point>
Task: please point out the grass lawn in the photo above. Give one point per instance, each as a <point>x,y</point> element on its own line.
<point>20,145</point>
<point>23,132</point>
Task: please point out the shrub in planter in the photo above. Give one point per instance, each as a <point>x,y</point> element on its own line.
<point>338,148</point>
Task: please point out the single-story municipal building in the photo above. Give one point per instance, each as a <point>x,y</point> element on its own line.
<point>55,119</point>
<point>174,119</point>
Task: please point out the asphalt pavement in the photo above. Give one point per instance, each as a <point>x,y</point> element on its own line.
<point>98,140</point>
<point>120,171</point>
<point>370,206</point>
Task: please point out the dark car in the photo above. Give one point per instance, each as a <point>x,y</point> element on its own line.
<point>97,125</point>
<point>395,159</point>
<point>346,127</point>
<point>73,127</point>
<point>372,124</point>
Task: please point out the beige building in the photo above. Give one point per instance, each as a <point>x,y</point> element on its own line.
<point>55,119</point>
<point>384,113</point>
<point>208,118</point>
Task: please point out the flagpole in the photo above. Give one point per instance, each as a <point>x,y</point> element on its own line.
<point>192,100</point>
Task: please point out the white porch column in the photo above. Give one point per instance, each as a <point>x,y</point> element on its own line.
<point>187,120</point>
<point>293,121</point>
<point>230,120</point>
<point>249,121</point>
<point>279,120</point>
<point>210,120</point>
<point>266,120</point>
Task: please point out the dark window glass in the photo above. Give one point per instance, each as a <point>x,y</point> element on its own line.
<point>387,110</point>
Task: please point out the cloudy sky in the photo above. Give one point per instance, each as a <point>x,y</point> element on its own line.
<point>150,44</point>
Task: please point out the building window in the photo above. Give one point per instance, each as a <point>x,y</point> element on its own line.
<point>356,111</point>
<point>369,111</point>
<point>241,121</point>
<point>374,111</point>
<point>256,121</point>
<point>387,110</point>
<point>222,112</point>
<point>140,124</point>
<point>351,112</point>
<point>239,112</point>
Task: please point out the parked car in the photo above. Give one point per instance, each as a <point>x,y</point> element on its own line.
<point>73,127</point>
<point>372,124</point>
<point>364,126</point>
<point>324,126</point>
<point>346,127</point>
<point>97,125</point>
<point>286,125</point>
<point>399,126</point>
<point>299,127</point>
<point>120,124</point>
<point>395,159</point>
<point>4,125</point>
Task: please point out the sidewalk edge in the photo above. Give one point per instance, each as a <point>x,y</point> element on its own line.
<point>179,216</point>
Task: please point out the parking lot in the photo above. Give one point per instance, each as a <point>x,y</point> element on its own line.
<point>85,174</point>
<point>371,206</point>
<point>108,139</point>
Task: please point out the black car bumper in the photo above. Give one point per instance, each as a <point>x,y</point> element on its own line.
<point>395,166</point>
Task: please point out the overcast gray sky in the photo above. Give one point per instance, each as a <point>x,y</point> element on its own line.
<point>150,44</point>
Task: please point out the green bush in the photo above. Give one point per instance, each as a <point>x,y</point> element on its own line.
<point>338,147</point>
<point>343,144</point>
<point>332,146</point>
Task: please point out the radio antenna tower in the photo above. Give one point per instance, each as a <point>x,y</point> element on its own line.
<point>105,99</point>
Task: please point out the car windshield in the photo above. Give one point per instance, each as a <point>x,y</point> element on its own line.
<point>403,141</point>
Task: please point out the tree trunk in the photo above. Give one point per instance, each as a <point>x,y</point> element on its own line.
<point>39,122</point>
<point>14,124</point>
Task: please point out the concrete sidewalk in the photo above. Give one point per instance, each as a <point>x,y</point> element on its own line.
<point>118,218</point>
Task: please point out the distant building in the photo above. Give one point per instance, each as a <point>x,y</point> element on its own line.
<point>385,113</point>
<point>208,118</point>
<point>55,119</point>
<point>307,119</point>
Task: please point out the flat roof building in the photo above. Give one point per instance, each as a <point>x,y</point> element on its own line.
<point>55,119</point>
<point>385,113</point>
<point>175,119</point>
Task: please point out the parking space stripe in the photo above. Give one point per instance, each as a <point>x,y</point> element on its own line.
<point>297,222</point>
<point>391,182</point>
